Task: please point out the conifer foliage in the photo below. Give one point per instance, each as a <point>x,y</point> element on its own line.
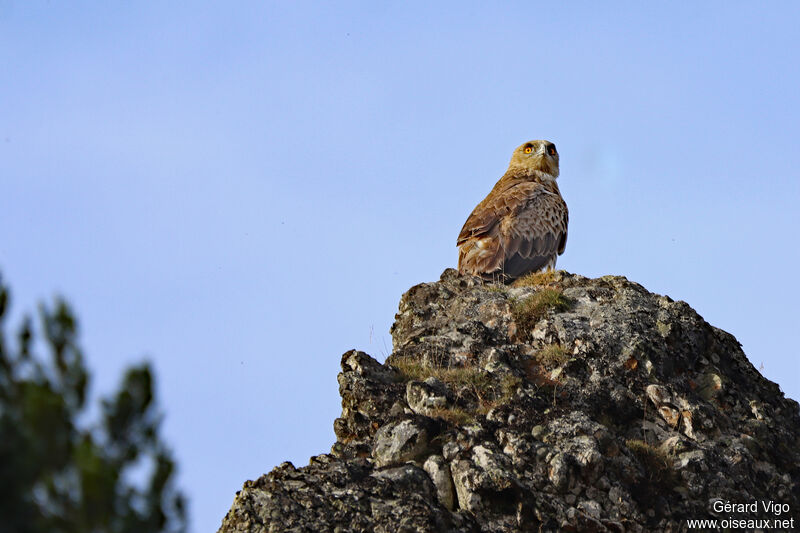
<point>61,471</point>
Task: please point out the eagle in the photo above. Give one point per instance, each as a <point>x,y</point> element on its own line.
<point>521,226</point>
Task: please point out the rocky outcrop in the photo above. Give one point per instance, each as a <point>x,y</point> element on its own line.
<point>559,404</point>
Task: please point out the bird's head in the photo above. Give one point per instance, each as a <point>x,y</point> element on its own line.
<point>535,155</point>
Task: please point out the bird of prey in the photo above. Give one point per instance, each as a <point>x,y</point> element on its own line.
<point>521,226</point>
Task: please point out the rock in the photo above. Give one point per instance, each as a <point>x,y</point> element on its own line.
<point>398,442</point>
<point>561,472</point>
<point>658,395</point>
<point>365,406</point>
<point>464,474</point>
<point>496,466</point>
<point>709,385</point>
<point>439,472</point>
<point>425,397</point>
<point>408,476</point>
<point>622,410</point>
<point>450,449</point>
<point>588,457</point>
<point>591,508</point>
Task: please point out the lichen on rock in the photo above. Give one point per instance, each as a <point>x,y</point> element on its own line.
<point>560,403</point>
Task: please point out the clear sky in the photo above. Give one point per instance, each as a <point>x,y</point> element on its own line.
<point>241,191</point>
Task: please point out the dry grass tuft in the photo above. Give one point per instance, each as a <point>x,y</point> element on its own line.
<point>536,279</point>
<point>542,378</point>
<point>551,356</point>
<point>656,461</point>
<point>454,416</point>
<point>468,375</point>
<point>500,289</point>
<point>501,394</point>
<point>529,311</point>
<point>508,388</point>
<point>469,383</point>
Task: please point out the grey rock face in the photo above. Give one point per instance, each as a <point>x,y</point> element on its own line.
<point>560,404</point>
<point>425,397</point>
<point>439,471</point>
<point>398,442</point>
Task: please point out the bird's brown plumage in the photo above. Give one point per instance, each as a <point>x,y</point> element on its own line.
<point>521,226</point>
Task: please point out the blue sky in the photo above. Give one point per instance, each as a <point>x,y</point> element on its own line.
<point>241,192</point>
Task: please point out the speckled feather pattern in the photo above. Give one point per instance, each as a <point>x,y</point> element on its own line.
<point>521,226</point>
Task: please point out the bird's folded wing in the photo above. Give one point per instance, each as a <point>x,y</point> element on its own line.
<point>535,233</point>
<point>499,203</point>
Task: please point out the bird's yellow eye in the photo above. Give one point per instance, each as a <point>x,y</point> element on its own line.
<point>528,149</point>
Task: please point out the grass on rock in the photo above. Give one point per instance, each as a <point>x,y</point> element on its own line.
<point>529,311</point>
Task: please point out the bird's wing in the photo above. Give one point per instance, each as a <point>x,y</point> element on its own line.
<point>500,202</point>
<point>535,233</point>
<point>562,243</point>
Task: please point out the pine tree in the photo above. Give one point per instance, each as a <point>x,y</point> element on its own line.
<point>60,472</point>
